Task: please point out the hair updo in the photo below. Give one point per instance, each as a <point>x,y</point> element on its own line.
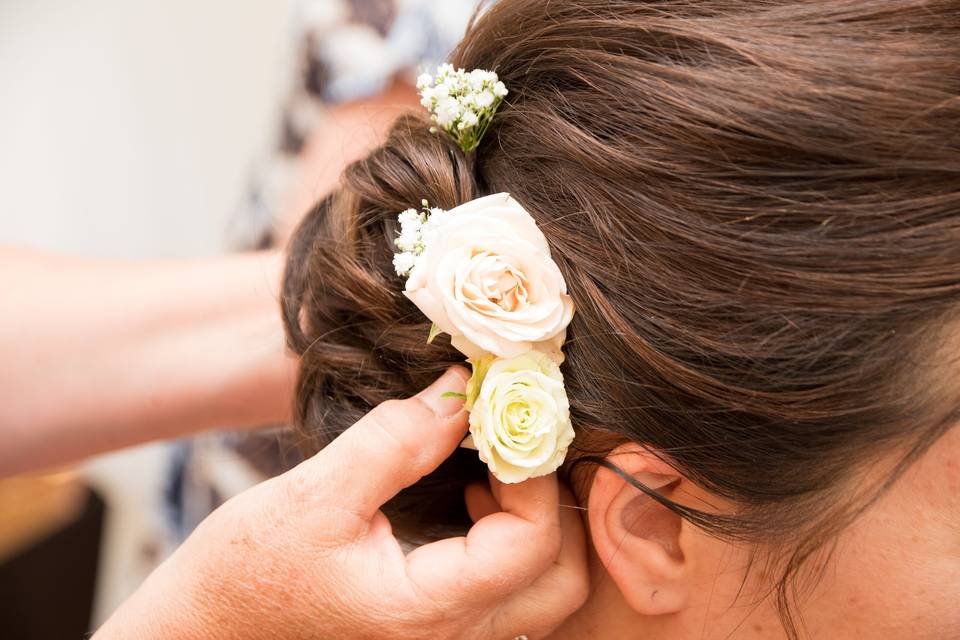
<point>360,341</point>
<point>756,209</point>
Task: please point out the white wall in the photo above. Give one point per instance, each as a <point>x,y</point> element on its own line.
<point>127,128</point>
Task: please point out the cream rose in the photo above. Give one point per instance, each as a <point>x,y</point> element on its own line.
<point>486,278</point>
<point>519,415</point>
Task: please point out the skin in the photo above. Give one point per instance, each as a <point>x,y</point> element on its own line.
<point>204,334</point>
<point>344,133</point>
<point>310,555</point>
<point>895,573</point>
<point>103,354</point>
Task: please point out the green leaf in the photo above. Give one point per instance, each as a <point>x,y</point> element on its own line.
<point>453,394</point>
<point>434,332</point>
<point>480,366</point>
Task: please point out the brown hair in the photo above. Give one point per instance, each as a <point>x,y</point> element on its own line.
<point>756,207</point>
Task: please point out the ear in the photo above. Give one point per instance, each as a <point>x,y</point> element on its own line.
<point>637,539</point>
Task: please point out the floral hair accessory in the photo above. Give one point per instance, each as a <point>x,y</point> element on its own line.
<point>461,103</point>
<point>519,415</point>
<point>482,273</point>
<point>416,228</point>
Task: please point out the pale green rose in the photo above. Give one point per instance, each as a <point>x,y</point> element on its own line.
<point>519,415</point>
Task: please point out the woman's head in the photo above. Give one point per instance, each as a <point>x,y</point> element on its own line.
<point>756,208</point>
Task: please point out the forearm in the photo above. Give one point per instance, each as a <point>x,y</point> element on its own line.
<point>103,354</point>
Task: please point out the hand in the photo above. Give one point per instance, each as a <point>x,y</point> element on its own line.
<point>310,555</point>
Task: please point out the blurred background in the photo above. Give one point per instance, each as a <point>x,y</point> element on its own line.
<point>128,128</point>
<point>167,130</point>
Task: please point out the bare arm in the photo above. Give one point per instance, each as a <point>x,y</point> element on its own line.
<point>96,355</point>
<point>101,354</point>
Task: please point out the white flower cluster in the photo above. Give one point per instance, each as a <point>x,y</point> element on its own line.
<point>417,228</point>
<point>460,102</point>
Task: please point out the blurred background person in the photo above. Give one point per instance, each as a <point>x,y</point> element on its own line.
<point>175,130</point>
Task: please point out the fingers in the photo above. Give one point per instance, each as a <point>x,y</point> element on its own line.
<point>388,449</point>
<point>503,553</point>
<point>479,500</point>
<point>562,589</point>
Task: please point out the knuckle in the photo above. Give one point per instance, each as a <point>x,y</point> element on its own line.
<point>552,541</point>
<point>541,549</point>
<point>577,591</point>
<point>392,423</point>
<point>298,487</point>
<point>568,588</point>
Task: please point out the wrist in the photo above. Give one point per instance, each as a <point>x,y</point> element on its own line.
<point>220,348</point>
<point>261,392</point>
<point>164,608</point>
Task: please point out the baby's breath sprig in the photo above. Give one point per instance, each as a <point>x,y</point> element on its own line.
<point>460,102</point>
<point>417,229</point>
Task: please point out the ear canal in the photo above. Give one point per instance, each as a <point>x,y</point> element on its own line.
<point>646,518</point>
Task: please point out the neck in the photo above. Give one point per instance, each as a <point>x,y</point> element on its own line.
<point>607,616</point>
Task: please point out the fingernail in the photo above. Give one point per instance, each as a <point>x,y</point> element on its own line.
<point>453,381</point>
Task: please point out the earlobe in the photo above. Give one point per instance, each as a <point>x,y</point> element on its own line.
<point>638,539</point>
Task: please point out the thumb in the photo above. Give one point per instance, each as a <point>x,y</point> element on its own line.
<point>394,445</point>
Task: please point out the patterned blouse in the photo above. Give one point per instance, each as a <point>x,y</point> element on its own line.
<point>348,50</point>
